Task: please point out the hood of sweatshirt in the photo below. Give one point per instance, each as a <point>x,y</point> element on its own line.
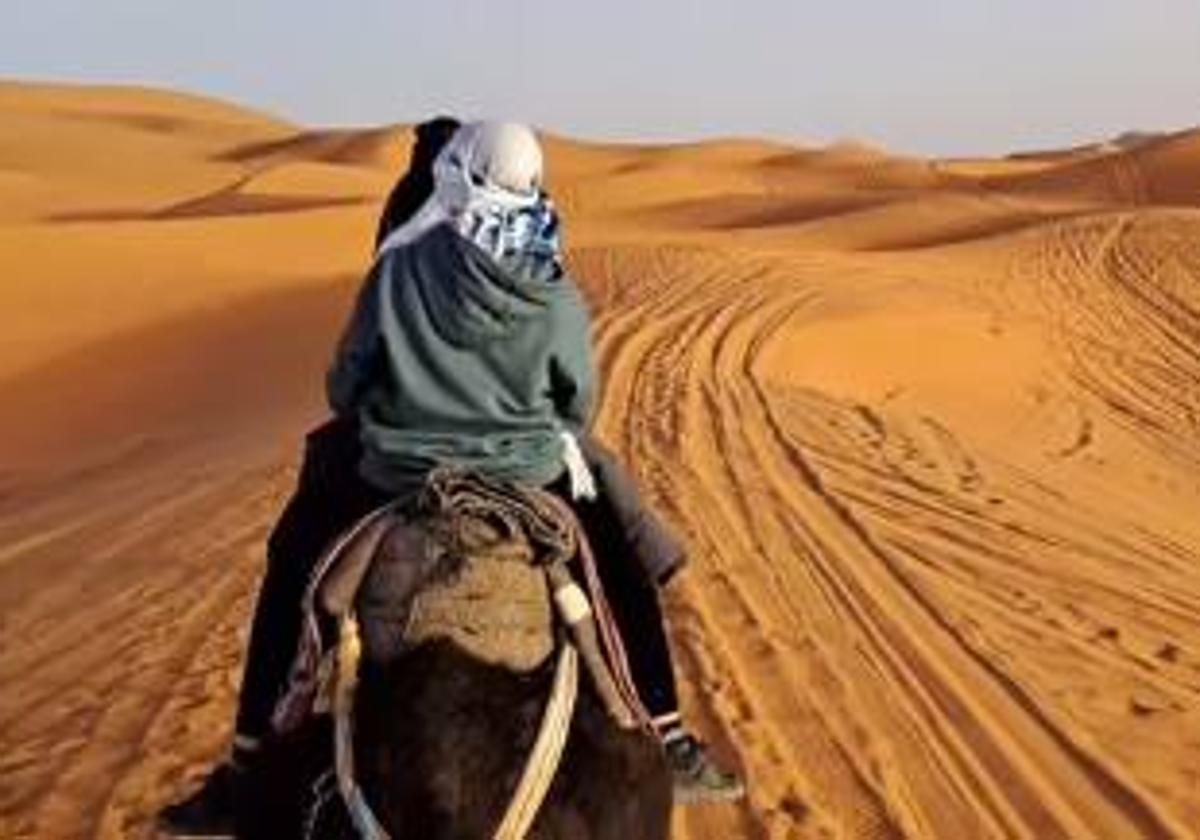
<point>472,298</point>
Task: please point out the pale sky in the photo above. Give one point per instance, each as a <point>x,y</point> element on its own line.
<point>921,76</point>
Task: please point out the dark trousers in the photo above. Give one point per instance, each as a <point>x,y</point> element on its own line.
<point>646,538</point>
<point>330,497</point>
<point>633,599</point>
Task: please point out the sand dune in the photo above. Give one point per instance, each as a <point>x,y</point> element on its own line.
<point>1153,171</point>
<point>929,428</point>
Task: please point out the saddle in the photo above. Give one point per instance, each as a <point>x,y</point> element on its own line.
<point>465,560</point>
<point>491,567</point>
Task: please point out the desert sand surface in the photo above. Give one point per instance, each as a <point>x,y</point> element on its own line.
<point>931,430</point>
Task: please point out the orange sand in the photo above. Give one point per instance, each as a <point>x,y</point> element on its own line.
<point>930,428</point>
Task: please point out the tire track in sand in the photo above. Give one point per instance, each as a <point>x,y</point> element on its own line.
<point>934,740</point>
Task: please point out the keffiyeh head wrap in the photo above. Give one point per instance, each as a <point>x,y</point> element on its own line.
<point>487,185</point>
<point>488,181</point>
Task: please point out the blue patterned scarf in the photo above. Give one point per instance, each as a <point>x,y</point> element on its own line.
<point>507,233</point>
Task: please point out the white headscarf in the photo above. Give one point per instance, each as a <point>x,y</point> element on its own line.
<point>487,182</point>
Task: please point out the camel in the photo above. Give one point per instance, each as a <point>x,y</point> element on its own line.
<point>461,650</point>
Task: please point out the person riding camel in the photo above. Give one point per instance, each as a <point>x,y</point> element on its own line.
<point>468,345</point>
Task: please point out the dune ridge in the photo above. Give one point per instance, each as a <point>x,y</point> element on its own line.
<point>928,427</point>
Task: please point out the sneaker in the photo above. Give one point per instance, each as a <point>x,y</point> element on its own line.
<point>697,777</point>
<point>211,812</point>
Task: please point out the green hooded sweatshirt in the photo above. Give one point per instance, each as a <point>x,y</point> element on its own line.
<point>452,357</point>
